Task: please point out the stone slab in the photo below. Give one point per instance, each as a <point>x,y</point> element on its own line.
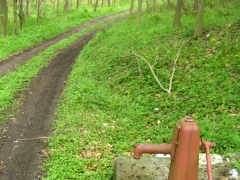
<point>157,168</point>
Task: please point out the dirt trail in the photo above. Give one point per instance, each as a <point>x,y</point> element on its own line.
<point>20,156</point>
<point>20,58</point>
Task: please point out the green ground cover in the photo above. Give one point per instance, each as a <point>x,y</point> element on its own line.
<point>49,26</point>
<point>112,100</point>
<point>16,81</point>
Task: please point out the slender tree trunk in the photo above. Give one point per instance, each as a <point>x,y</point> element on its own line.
<point>199,23</point>
<point>109,3</point>
<point>4,17</point>
<point>147,6</point>
<point>139,11</point>
<point>195,7</point>
<point>96,6</point>
<point>184,6</point>
<point>131,8</point>
<point>67,6</point>
<point>28,9</point>
<point>78,4</point>
<point>102,3</point>
<point>169,3</point>
<point>177,18</point>
<point>89,2</point>
<point>21,14</point>
<point>154,5</point>
<point>15,31</point>
<point>57,6</point>
<point>39,9</point>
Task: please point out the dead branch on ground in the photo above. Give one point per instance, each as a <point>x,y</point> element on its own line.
<point>169,90</point>
<point>30,139</point>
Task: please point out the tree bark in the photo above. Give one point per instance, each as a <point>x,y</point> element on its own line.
<point>4,17</point>
<point>28,9</point>
<point>199,22</point>
<point>195,7</point>
<point>96,6</point>
<point>57,6</point>
<point>131,8</point>
<point>21,14</point>
<point>109,3</point>
<point>78,4</point>
<point>39,9</point>
<point>89,2</point>
<point>67,6</point>
<point>184,6</point>
<point>15,30</point>
<point>102,3</point>
<point>177,18</point>
<point>139,11</point>
<point>147,6</point>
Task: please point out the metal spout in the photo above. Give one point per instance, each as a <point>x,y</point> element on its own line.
<point>151,148</point>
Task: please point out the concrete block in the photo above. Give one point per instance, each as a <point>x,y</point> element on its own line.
<point>157,168</point>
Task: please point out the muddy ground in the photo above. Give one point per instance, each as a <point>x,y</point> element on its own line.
<point>22,141</point>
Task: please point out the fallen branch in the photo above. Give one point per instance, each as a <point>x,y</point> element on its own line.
<point>169,90</point>
<point>30,139</point>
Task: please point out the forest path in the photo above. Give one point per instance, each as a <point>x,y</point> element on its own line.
<point>18,59</point>
<point>21,149</point>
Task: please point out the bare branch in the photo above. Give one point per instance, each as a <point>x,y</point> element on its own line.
<point>175,66</point>
<point>151,68</point>
<point>30,139</point>
<point>169,90</point>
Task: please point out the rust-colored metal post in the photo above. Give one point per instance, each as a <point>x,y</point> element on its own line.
<point>207,145</point>
<point>151,148</point>
<point>184,151</point>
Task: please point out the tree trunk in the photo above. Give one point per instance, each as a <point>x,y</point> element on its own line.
<point>184,6</point>
<point>21,14</point>
<point>28,9</point>
<point>131,8</point>
<point>147,6</point>
<point>139,11</point>
<point>15,31</point>
<point>4,17</point>
<point>67,6</point>
<point>39,9</point>
<point>199,23</point>
<point>96,6</point>
<point>195,7</point>
<point>89,2</point>
<point>177,22</point>
<point>109,3</point>
<point>57,6</point>
<point>102,3</point>
<point>78,4</point>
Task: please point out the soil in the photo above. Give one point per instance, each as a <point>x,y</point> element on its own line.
<point>22,141</point>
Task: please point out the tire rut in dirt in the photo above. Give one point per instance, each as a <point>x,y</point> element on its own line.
<point>16,60</point>
<point>22,158</point>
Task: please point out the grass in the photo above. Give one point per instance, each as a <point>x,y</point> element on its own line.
<point>49,26</point>
<point>112,100</point>
<point>16,81</point>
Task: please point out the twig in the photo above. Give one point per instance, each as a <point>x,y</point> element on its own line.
<point>169,90</point>
<point>30,139</point>
<point>174,66</point>
<point>139,69</point>
<point>151,68</point>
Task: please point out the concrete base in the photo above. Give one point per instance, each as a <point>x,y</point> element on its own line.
<point>157,168</point>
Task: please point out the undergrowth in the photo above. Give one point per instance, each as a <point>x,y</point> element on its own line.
<point>112,99</point>
<point>14,82</point>
<point>49,26</point>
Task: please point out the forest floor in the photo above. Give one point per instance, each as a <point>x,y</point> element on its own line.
<point>22,140</point>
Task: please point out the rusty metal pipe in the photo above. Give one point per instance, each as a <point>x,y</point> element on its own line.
<point>151,148</point>
<point>207,145</point>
